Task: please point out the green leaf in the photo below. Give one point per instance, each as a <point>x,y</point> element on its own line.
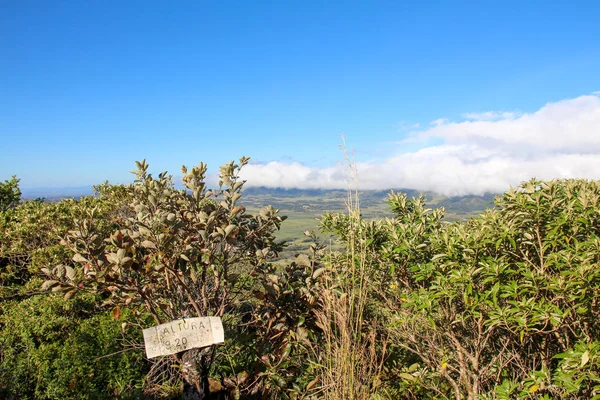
<point>438,256</point>
<point>585,357</point>
<point>70,294</point>
<point>149,244</point>
<point>406,377</point>
<point>79,258</point>
<point>70,272</point>
<point>48,284</point>
<point>533,388</point>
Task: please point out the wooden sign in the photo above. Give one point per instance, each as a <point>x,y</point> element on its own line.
<point>183,334</point>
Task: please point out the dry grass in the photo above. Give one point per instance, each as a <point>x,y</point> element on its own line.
<point>352,354</point>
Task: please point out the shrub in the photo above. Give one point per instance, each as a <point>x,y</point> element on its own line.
<point>174,252</point>
<point>51,348</point>
<point>502,297</point>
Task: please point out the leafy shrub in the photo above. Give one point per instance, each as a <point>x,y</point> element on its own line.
<point>500,297</point>
<point>176,253</point>
<point>502,306</point>
<point>52,348</point>
<point>10,194</point>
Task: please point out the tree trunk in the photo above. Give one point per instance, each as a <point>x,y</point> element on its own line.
<point>195,368</point>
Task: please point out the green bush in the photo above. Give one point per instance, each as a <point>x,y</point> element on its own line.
<point>503,305</point>
<point>52,348</point>
<point>10,194</point>
<point>489,306</point>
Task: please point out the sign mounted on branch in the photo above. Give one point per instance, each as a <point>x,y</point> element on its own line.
<point>183,334</point>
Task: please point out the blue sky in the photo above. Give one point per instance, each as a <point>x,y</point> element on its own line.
<point>87,87</point>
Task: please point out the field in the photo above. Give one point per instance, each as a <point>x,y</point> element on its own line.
<point>305,207</point>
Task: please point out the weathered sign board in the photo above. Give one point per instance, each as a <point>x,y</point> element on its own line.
<point>183,334</point>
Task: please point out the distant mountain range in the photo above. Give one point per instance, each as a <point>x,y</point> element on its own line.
<point>56,193</point>
<point>372,202</point>
<point>312,200</point>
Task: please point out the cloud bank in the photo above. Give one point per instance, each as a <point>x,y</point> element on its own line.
<point>485,152</point>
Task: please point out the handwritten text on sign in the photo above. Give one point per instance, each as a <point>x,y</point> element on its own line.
<point>182,334</point>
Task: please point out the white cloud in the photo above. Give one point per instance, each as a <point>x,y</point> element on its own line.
<point>439,122</point>
<point>404,126</point>
<point>486,152</point>
<point>491,115</point>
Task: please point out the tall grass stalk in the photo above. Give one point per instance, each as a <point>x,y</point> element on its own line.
<point>351,357</point>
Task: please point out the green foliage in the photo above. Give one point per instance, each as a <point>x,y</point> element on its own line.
<point>10,194</point>
<point>497,298</point>
<point>175,252</point>
<point>52,348</point>
<point>30,234</point>
<point>286,326</point>
<point>502,306</point>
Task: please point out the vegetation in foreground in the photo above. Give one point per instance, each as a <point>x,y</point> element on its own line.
<point>500,306</point>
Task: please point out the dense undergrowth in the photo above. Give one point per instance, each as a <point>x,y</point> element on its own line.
<point>501,306</point>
